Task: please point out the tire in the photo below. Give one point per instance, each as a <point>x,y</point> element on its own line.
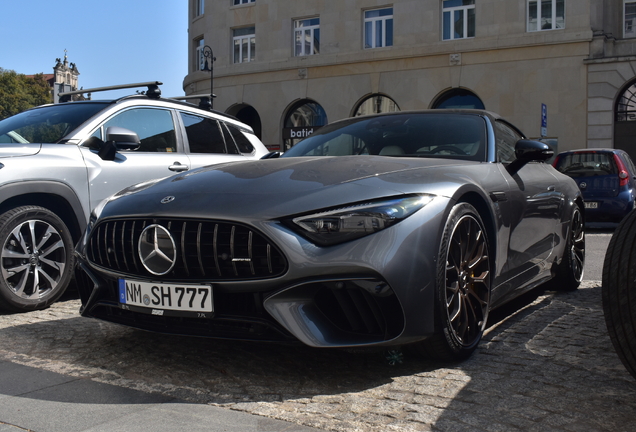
<point>463,287</point>
<point>36,260</point>
<point>569,273</point>
<point>619,291</point>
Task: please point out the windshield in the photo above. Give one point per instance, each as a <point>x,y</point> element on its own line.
<point>48,124</point>
<point>445,135</point>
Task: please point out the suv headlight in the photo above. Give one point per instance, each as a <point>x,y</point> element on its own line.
<point>344,224</point>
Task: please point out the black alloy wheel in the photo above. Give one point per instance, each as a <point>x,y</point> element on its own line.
<point>463,286</point>
<point>36,260</point>
<point>569,274</point>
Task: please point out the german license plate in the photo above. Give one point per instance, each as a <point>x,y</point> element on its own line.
<point>591,204</point>
<point>163,296</point>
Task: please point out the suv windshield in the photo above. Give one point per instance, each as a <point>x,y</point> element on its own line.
<point>47,124</point>
<point>455,136</point>
<point>587,164</point>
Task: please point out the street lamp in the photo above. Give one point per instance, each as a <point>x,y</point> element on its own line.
<point>209,66</point>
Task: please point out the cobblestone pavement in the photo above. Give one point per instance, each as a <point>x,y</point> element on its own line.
<point>548,365</point>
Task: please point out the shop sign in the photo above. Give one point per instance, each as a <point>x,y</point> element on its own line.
<point>299,132</point>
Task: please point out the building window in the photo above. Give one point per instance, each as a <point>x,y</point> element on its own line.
<point>306,37</point>
<point>458,17</point>
<point>199,58</point>
<point>199,8</point>
<point>546,15</point>
<point>378,28</point>
<point>458,98</point>
<point>376,104</point>
<point>240,2</point>
<point>630,19</point>
<point>244,44</point>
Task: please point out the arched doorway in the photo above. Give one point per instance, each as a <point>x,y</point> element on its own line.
<point>458,98</point>
<point>302,119</point>
<point>625,120</point>
<point>248,115</point>
<point>375,104</point>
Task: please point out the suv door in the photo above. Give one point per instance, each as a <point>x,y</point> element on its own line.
<point>159,155</point>
<point>209,141</point>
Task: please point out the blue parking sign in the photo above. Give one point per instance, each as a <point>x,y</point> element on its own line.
<point>544,120</point>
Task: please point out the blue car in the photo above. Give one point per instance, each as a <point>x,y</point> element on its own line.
<point>606,177</point>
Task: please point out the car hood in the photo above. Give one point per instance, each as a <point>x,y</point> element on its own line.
<point>279,187</point>
<point>13,150</point>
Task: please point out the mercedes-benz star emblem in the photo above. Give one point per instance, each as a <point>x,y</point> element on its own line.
<point>167,199</point>
<point>157,249</point>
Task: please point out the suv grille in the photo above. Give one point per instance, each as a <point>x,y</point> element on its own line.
<point>205,250</point>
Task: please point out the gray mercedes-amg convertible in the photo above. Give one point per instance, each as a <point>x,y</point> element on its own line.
<point>383,230</point>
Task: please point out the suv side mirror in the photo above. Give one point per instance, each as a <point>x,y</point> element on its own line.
<point>529,151</point>
<point>124,139</point>
<point>118,138</point>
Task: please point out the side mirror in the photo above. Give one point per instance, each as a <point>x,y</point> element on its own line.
<point>272,155</point>
<point>529,151</point>
<point>118,138</point>
<point>124,139</point>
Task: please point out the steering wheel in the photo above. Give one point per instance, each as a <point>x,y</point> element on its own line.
<point>447,148</point>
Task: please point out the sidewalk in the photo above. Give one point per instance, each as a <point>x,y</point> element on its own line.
<point>37,400</point>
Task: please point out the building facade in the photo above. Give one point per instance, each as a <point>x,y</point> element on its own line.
<point>563,70</point>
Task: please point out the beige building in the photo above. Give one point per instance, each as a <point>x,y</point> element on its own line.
<point>286,67</point>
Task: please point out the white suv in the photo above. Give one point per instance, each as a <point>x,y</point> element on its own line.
<point>57,162</point>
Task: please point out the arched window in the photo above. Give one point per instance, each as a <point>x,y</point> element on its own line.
<point>376,104</point>
<point>458,98</point>
<point>248,115</point>
<point>302,119</point>
<point>625,116</point>
<point>626,104</point>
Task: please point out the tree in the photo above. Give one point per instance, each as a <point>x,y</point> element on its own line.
<point>19,92</point>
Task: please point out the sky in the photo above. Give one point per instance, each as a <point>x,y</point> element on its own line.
<point>111,42</point>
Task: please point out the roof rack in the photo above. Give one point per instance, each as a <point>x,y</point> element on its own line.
<point>204,100</point>
<point>153,91</point>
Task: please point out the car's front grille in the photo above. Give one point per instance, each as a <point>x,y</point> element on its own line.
<point>206,250</point>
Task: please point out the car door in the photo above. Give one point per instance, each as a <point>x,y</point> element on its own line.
<point>530,211</point>
<point>159,155</point>
<point>209,141</point>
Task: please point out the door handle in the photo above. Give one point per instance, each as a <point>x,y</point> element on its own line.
<point>178,167</point>
<point>551,188</point>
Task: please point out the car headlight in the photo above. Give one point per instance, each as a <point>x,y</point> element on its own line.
<point>344,224</point>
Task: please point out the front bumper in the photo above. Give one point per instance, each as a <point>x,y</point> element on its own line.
<point>340,312</point>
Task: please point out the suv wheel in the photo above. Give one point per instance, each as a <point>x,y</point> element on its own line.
<point>36,260</point>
